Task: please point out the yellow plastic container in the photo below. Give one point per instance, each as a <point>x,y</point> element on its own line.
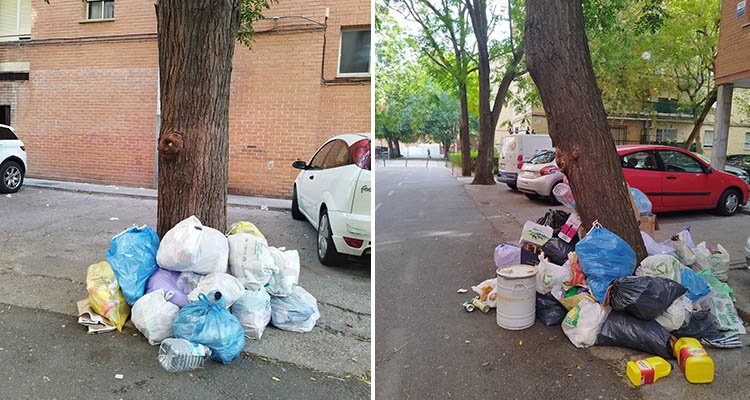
<point>648,370</point>
<point>694,362</point>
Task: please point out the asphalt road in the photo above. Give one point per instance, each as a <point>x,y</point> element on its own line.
<point>50,237</point>
<point>430,241</point>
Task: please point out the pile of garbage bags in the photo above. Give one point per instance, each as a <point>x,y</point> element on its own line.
<point>600,296</point>
<point>199,291</point>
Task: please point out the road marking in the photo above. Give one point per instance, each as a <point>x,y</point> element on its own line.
<point>378,206</point>
<point>391,192</point>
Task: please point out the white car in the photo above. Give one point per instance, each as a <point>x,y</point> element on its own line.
<point>12,160</point>
<point>540,175</point>
<point>333,192</point>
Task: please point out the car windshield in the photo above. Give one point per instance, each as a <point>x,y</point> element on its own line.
<point>543,157</point>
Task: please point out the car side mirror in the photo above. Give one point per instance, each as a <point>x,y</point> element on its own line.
<point>709,170</point>
<point>299,164</point>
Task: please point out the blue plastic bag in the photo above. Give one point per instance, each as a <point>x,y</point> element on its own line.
<point>132,256</point>
<point>209,323</point>
<point>695,284</point>
<point>297,312</point>
<point>604,257</point>
<point>642,203</point>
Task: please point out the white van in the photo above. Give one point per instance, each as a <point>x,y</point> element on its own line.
<point>514,150</point>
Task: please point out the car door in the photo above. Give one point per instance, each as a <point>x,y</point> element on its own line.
<point>643,172</point>
<point>339,176</point>
<point>686,183</point>
<point>307,188</point>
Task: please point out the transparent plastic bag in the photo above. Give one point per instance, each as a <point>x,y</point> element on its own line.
<point>230,287</point>
<point>716,258</point>
<point>676,315</point>
<point>132,256</point>
<point>507,254</point>
<point>187,281</point>
<point>297,312</point>
<point>245,227</point>
<point>487,291</point>
<point>642,203</point>
<point>550,275</point>
<point>583,322</point>
<point>663,265</point>
<point>253,310</point>
<point>105,296</point>
<point>285,278</point>
<point>654,248</point>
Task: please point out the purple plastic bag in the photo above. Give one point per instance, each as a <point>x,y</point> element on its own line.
<point>167,280</point>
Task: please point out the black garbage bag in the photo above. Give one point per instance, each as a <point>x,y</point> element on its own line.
<point>549,310</point>
<point>703,328</point>
<point>623,330</point>
<point>555,219</point>
<point>556,250</point>
<point>644,297</point>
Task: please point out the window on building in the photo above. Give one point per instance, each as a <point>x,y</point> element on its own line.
<point>100,9</point>
<point>619,134</point>
<point>666,135</point>
<point>708,139</point>
<point>15,20</point>
<point>747,140</point>
<point>354,52</point>
<point>5,115</point>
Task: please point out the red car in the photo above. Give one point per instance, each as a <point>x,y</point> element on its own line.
<point>675,180</point>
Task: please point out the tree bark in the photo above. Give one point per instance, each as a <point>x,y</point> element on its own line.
<point>463,133</point>
<point>396,148</point>
<point>446,148</point>
<point>196,42</point>
<point>391,153</point>
<point>557,57</point>
<point>710,100</point>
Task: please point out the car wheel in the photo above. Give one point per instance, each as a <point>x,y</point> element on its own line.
<point>296,213</point>
<point>532,196</point>
<point>512,186</point>
<point>327,253</point>
<point>11,177</point>
<point>728,202</point>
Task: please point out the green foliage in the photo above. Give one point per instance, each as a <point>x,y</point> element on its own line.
<point>455,158</point>
<point>251,11</point>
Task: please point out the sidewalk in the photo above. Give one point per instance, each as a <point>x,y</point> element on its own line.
<point>233,200</point>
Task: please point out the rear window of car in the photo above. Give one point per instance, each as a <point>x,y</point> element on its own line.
<point>7,134</point>
<point>543,157</point>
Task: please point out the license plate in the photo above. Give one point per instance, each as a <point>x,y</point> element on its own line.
<point>527,174</point>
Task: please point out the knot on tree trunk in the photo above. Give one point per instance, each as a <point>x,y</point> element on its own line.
<point>170,144</point>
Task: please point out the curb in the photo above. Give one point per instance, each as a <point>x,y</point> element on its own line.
<point>150,194</point>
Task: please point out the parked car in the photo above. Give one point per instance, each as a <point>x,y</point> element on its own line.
<point>332,191</point>
<point>12,160</point>
<point>675,180</point>
<point>738,172</point>
<point>739,161</point>
<point>513,151</point>
<point>540,175</point>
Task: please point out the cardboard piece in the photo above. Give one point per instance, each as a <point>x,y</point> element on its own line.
<point>95,322</point>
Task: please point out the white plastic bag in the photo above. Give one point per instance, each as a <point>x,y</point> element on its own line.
<point>153,315</point>
<point>676,315</point>
<point>187,281</point>
<point>714,258</point>
<point>284,280</point>
<point>253,310</point>
<point>250,260</point>
<point>584,321</point>
<point>297,312</point>
<point>684,246</point>
<point>507,254</point>
<point>663,265</point>
<point>654,248</point>
<point>230,287</point>
<point>550,275</point>
<point>190,246</point>
<point>487,292</point>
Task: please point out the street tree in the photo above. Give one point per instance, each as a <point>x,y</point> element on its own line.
<point>558,59</point>
<point>443,39</point>
<point>442,124</point>
<point>511,53</point>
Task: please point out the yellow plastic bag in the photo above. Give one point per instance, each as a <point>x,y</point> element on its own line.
<point>105,296</point>
<point>245,227</point>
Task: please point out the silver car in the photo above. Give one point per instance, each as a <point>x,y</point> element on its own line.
<point>540,175</point>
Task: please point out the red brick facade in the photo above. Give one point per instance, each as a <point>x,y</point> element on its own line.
<point>88,111</point>
<point>733,57</point>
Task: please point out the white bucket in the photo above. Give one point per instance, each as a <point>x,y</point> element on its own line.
<point>516,296</point>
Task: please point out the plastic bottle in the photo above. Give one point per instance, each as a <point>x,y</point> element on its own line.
<point>648,370</point>
<point>176,355</point>
<point>694,362</point>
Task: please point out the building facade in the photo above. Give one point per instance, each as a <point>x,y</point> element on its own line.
<point>79,83</point>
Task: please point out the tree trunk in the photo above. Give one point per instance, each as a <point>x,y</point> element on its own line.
<point>196,42</point>
<point>710,100</point>
<point>557,57</point>
<point>396,148</point>
<point>463,133</point>
<point>446,148</point>
<point>485,149</point>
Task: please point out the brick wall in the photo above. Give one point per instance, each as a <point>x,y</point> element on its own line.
<point>732,59</point>
<point>88,111</point>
